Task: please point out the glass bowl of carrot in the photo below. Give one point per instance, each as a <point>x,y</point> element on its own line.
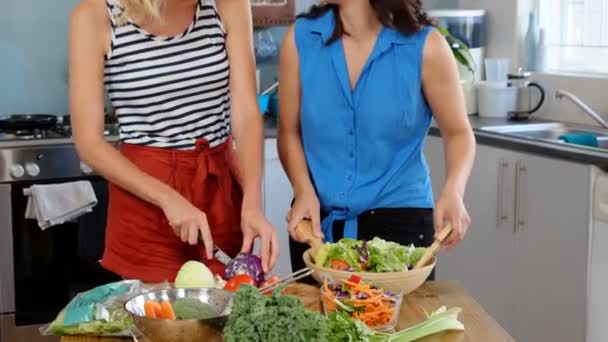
<point>186,315</point>
<point>375,307</point>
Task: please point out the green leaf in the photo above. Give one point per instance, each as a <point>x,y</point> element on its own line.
<point>459,49</point>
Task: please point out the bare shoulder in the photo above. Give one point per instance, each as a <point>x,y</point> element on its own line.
<point>289,41</point>
<point>436,47</point>
<point>234,12</point>
<point>93,12</point>
<point>90,21</point>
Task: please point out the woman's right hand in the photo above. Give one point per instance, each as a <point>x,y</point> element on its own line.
<point>188,221</point>
<point>305,206</point>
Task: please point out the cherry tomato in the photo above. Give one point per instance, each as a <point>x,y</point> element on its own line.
<point>354,279</point>
<point>235,282</point>
<point>339,265</point>
<point>269,282</point>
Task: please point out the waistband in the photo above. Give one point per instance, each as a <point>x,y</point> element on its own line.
<point>351,219</point>
<point>214,171</point>
<point>201,147</point>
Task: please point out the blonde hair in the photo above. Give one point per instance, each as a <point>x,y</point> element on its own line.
<point>140,9</point>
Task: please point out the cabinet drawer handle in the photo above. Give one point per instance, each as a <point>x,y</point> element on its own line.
<point>501,212</point>
<point>519,198</point>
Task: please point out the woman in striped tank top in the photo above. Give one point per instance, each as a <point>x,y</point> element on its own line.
<point>182,83</point>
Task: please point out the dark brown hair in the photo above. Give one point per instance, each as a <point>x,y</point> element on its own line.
<point>405,16</point>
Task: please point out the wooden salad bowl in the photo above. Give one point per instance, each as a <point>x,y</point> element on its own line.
<point>406,281</point>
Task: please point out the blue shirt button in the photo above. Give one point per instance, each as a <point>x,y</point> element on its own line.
<point>351,132</point>
<point>349,177</point>
<point>352,155</point>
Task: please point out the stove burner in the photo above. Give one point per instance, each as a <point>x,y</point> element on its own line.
<point>60,130</point>
<point>34,134</point>
<point>30,134</point>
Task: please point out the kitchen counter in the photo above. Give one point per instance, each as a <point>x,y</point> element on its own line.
<point>479,326</point>
<point>579,154</point>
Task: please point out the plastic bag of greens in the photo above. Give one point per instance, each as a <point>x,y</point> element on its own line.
<point>99,311</point>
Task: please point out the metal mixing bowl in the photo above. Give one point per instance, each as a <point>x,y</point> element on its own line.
<point>161,330</point>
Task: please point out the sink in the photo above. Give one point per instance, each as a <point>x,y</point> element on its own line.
<point>549,131</point>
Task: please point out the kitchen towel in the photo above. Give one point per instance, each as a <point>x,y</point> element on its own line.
<point>54,204</point>
<point>584,139</point>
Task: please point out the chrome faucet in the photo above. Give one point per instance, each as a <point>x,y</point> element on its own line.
<point>585,108</point>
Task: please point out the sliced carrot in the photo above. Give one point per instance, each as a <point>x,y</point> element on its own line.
<point>157,309</point>
<point>149,309</point>
<point>167,310</point>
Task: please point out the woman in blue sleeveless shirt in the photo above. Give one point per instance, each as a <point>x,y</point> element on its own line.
<point>360,81</point>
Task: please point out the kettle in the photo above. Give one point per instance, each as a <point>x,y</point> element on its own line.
<point>521,81</point>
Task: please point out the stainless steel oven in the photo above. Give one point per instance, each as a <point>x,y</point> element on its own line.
<point>42,270</point>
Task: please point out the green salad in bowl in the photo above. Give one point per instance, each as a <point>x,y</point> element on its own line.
<point>376,255</point>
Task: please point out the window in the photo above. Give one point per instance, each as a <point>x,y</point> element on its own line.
<point>577,34</point>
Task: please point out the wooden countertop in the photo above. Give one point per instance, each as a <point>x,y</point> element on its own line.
<point>479,326</point>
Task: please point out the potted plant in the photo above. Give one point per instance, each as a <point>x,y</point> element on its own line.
<point>466,68</point>
<point>459,49</point>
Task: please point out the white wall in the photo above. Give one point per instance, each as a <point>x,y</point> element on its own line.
<point>507,24</point>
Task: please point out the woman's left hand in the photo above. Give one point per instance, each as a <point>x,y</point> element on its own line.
<point>450,209</point>
<point>255,225</point>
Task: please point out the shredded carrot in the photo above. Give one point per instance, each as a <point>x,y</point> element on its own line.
<point>377,309</point>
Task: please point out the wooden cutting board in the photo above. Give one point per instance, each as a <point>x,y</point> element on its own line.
<point>479,326</point>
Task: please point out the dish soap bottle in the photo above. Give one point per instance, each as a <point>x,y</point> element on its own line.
<point>531,43</point>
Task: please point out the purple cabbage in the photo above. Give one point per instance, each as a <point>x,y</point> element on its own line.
<point>362,295</point>
<point>246,263</point>
<point>362,256</point>
<point>341,294</point>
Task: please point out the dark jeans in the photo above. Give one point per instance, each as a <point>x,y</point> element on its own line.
<point>402,225</point>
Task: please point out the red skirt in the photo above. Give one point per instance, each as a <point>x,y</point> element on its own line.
<point>140,244</point>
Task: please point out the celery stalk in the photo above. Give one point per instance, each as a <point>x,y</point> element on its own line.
<point>440,320</point>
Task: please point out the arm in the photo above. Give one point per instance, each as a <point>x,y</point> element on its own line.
<point>441,86</point>
<point>291,152</point>
<point>248,126</point>
<point>89,41</point>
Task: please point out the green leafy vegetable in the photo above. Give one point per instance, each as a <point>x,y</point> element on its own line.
<point>385,256</point>
<point>118,321</point>
<point>276,318</point>
<point>376,255</point>
<point>345,250</point>
<point>341,327</point>
<point>97,312</point>
<point>416,255</point>
<point>279,318</point>
<point>323,254</point>
<point>190,308</point>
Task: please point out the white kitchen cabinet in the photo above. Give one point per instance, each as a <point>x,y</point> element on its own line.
<point>525,255</point>
<point>277,200</point>
<point>483,262</point>
<point>552,230</point>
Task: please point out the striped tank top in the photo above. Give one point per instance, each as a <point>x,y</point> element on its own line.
<point>170,91</point>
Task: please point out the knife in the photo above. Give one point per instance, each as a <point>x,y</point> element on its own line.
<point>219,254</point>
